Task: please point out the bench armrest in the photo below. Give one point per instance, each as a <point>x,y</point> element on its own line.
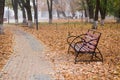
<point>75,38</point>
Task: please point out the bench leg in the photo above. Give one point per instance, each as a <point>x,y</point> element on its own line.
<point>93,54</point>
<point>101,57</point>
<point>76,57</point>
<point>68,49</point>
<point>100,54</point>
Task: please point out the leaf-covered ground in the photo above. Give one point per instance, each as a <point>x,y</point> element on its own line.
<point>5,47</point>
<point>55,35</point>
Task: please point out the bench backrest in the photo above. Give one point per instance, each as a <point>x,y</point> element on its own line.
<point>92,38</point>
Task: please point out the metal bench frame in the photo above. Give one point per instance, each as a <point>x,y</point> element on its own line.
<point>84,43</point>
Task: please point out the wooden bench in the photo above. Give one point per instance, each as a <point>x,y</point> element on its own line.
<point>85,43</point>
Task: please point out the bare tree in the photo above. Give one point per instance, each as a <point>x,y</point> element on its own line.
<point>90,4</point>
<point>101,5</point>
<point>35,9</point>
<point>8,4</point>
<point>73,6</point>
<point>2,4</point>
<point>15,9</point>
<point>103,8</point>
<point>60,6</point>
<point>35,3</point>
<point>50,5</point>
<point>27,6</point>
<point>85,8</point>
<point>96,14</point>
<point>118,16</point>
<point>23,12</point>
<point>57,6</point>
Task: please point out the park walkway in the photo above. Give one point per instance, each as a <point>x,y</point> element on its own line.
<point>27,62</point>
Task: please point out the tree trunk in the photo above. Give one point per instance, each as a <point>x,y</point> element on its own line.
<point>95,24</point>
<point>86,16</point>
<point>8,14</point>
<point>118,14</point>
<point>27,6</point>
<point>63,14</point>
<point>103,8</point>
<point>73,15</point>
<point>15,8</point>
<point>35,9</point>
<point>49,4</point>
<point>118,20</point>
<point>91,10</point>
<point>23,12</point>
<point>58,13</point>
<point>56,2</point>
<point>86,11</point>
<point>2,4</point>
<point>29,15</point>
<point>35,13</point>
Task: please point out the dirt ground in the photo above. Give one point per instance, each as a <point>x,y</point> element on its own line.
<point>55,35</point>
<point>5,47</point>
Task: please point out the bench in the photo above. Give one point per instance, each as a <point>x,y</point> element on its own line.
<point>85,43</point>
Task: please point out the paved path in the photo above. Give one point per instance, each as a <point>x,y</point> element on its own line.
<point>28,61</point>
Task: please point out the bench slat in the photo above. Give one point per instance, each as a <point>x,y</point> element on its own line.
<point>90,42</point>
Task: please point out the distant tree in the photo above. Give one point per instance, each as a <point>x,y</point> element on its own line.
<point>27,6</point>
<point>15,9</point>
<point>2,4</point>
<point>101,6</point>
<point>91,6</point>
<point>103,9</point>
<point>35,3</point>
<point>8,5</point>
<point>50,6</point>
<point>85,8</point>
<point>35,10</point>
<point>73,6</point>
<point>60,6</point>
<point>57,6</point>
<point>96,14</point>
<point>116,10</point>
<point>118,20</point>
<point>23,12</point>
